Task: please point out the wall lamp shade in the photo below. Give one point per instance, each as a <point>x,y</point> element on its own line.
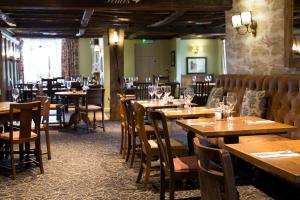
<point>244,23</point>
<point>236,21</point>
<point>115,38</point>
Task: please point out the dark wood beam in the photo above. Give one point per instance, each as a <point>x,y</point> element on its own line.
<point>154,5</point>
<point>171,18</point>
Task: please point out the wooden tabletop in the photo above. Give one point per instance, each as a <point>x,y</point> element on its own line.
<point>157,104</point>
<point>238,126</point>
<point>285,167</point>
<point>173,113</point>
<point>71,93</point>
<point>4,107</point>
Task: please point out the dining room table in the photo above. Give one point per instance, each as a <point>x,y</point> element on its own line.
<point>231,129</point>
<point>193,112</point>
<point>76,96</point>
<point>153,104</point>
<point>280,158</point>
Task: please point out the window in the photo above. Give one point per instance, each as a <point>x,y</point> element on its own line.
<point>42,59</point>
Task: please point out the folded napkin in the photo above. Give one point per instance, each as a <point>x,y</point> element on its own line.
<point>200,123</point>
<point>276,154</point>
<point>259,121</point>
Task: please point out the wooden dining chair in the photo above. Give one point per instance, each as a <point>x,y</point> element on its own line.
<point>201,92</point>
<point>175,89</point>
<point>94,102</point>
<point>124,125</point>
<point>215,173</point>
<point>173,168</point>
<point>132,134</point>
<point>141,91</point>
<point>45,113</point>
<point>150,146</point>
<point>25,113</point>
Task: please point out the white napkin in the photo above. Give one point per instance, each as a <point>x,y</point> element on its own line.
<point>276,154</point>
<point>200,123</point>
<point>263,121</point>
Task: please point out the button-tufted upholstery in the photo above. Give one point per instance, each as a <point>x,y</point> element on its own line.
<point>282,92</point>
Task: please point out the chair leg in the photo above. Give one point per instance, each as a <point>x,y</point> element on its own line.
<point>21,150</point>
<point>48,143</point>
<point>12,161</point>
<point>171,188</point>
<point>94,120</point>
<point>39,155</point>
<point>128,146</point>
<point>162,184</point>
<point>122,140</point>
<point>102,120</point>
<point>133,147</point>
<point>148,170</point>
<point>125,143</point>
<point>141,168</point>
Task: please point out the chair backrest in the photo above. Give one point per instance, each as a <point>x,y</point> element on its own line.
<point>130,115</point>
<point>163,140</point>
<point>140,126</point>
<point>25,113</point>
<point>26,91</point>
<point>142,90</point>
<point>76,85</point>
<point>123,112</point>
<point>95,96</point>
<point>215,173</point>
<point>45,104</point>
<point>202,88</point>
<point>175,89</point>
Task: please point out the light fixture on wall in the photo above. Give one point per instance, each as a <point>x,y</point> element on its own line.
<point>196,49</point>
<point>116,36</point>
<point>244,23</point>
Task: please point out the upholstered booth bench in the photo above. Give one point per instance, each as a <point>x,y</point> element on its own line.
<point>282,97</point>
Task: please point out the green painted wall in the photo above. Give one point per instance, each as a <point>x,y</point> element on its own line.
<point>129,57</point>
<point>211,48</point>
<point>85,57</point>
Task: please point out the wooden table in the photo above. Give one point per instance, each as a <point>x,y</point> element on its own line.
<point>174,113</point>
<point>76,95</point>
<point>158,104</point>
<point>285,167</point>
<point>232,129</point>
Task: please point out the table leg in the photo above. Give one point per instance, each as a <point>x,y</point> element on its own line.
<point>74,119</point>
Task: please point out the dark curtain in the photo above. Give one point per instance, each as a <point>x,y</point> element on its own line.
<point>21,62</point>
<point>69,58</point>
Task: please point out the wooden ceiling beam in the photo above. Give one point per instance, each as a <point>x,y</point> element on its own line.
<point>154,5</point>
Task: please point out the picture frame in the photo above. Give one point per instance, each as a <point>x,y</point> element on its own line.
<point>196,65</point>
<point>173,59</point>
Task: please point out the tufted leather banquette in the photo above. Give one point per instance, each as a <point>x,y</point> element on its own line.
<point>282,93</point>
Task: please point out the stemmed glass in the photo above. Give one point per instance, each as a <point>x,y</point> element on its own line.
<point>167,91</point>
<point>208,78</point>
<point>68,83</point>
<point>157,80</point>
<point>151,91</point>
<point>158,91</point>
<point>15,93</point>
<point>189,95</point>
<point>231,102</point>
<point>194,78</point>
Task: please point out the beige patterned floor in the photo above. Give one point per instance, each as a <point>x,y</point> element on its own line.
<point>88,166</point>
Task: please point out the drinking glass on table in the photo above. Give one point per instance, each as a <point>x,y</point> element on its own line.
<point>151,91</point>
<point>158,91</point>
<point>167,91</point>
<point>194,78</point>
<point>68,83</point>
<point>231,102</point>
<point>188,96</point>
<point>15,93</point>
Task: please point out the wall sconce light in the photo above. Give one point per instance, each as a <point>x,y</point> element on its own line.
<point>196,49</point>
<point>244,23</point>
<point>10,53</point>
<point>116,36</point>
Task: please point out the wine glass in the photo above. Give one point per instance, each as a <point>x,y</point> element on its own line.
<point>15,93</point>
<point>158,91</point>
<point>189,95</point>
<point>157,80</point>
<point>194,78</point>
<point>68,85</point>
<point>151,91</point>
<point>167,91</point>
<point>231,101</point>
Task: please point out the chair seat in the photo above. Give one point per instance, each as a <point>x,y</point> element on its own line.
<point>54,106</point>
<point>90,108</point>
<point>175,144</point>
<point>187,163</point>
<point>16,136</point>
<point>149,128</point>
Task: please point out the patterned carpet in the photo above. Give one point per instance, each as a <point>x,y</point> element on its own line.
<point>88,166</point>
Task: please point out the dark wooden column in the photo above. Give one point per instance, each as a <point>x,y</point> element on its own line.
<point>116,53</point>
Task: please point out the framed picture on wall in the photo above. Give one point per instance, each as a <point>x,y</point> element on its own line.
<point>173,59</point>
<point>196,65</point>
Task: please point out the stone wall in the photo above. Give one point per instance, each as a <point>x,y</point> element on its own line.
<point>263,54</point>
